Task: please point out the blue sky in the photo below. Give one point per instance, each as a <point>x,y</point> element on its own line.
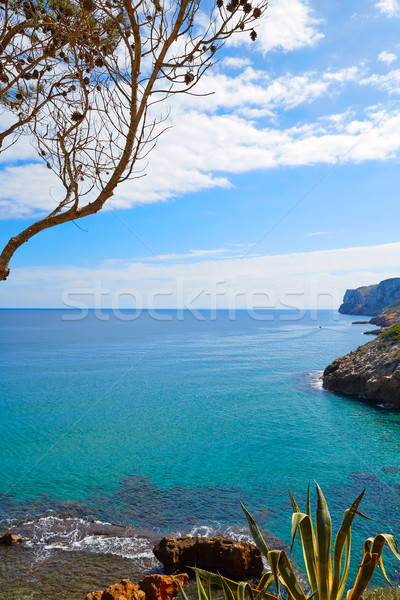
<point>285,181</point>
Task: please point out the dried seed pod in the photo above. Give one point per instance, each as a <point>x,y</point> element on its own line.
<point>257,13</point>
<point>247,8</point>
<point>76,116</point>
<point>253,35</point>
<point>189,77</point>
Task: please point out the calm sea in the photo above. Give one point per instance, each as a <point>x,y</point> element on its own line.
<point>116,429</point>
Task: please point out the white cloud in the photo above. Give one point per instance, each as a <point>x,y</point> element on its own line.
<point>389,82</point>
<point>387,57</point>
<point>305,278</point>
<point>288,25</point>
<point>390,8</point>
<point>203,150</point>
<point>235,62</point>
<point>316,233</point>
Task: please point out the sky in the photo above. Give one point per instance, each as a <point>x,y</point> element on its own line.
<point>281,189</point>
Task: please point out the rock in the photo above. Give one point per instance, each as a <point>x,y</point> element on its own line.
<point>235,559</point>
<point>8,539</point>
<point>360,322</point>
<point>152,587</point>
<point>126,590</point>
<point>390,470</point>
<point>372,299</point>
<point>162,587</point>
<point>376,331</point>
<point>389,317</point>
<point>354,300</point>
<point>371,372</point>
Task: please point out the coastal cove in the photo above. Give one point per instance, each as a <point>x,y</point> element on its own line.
<point>161,426</point>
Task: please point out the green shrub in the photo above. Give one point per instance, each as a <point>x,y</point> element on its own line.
<point>392,335</point>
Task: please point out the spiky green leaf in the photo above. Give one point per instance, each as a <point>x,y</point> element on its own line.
<point>256,533</point>
<point>324,536</point>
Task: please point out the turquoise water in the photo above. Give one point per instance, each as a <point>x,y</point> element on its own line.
<point>165,424</point>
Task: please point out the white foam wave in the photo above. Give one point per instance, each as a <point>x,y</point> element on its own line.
<point>315,379</point>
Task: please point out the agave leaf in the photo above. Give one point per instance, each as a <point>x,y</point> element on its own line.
<point>303,523</point>
<point>273,559</point>
<point>226,589</point>
<point>264,594</point>
<point>346,567</point>
<point>256,533</point>
<point>368,544</point>
<point>200,589</point>
<point>365,572</point>
<point>294,503</point>
<point>360,514</point>
<point>209,577</point>
<point>266,581</point>
<point>288,575</point>
<point>389,539</point>
<point>183,593</point>
<point>241,592</point>
<point>324,536</point>
<point>378,545</point>
<point>213,579</point>
<point>340,541</point>
<point>308,509</point>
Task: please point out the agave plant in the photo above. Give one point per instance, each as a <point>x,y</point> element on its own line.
<point>327,572</point>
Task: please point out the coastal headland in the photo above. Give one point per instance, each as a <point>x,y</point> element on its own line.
<point>372,371</point>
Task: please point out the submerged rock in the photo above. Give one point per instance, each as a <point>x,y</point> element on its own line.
<point>371,372</point>
<point>8,539</point>
<point>234,558</point>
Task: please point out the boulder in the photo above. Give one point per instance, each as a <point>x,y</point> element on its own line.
<point>8,539</point>
<point>152,587</point>
<point>235,559</point>
<point>126,590</point>
<point>162,587</point>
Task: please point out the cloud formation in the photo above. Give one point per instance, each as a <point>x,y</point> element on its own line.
<point>387,57</point>
<point>390,8</point>
<point>305,279</point>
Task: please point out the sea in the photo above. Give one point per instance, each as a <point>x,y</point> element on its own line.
<point>119,428</point>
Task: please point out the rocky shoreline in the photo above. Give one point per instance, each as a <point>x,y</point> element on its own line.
<point>371,372</point>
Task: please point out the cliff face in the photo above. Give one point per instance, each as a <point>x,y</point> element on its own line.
<point>371,372</point>
<point>371,300</point>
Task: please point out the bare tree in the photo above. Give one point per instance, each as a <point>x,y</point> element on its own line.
<point>86,78</point>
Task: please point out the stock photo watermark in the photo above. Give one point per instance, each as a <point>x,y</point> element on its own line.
<point>202,303</point>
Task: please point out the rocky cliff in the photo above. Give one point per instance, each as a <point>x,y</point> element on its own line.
<point>388,317</point>
<point>371,372</point>
<point>372,299</point>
